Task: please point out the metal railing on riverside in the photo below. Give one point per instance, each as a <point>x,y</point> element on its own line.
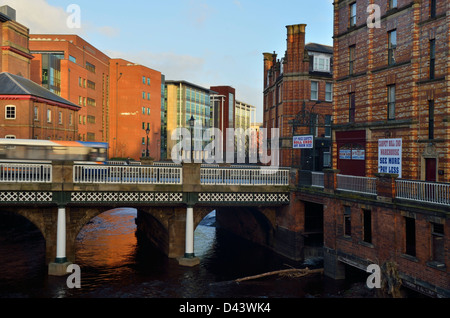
<point>25,173</point>
<point>127,174</point>
<point>430,192</point>
<point>260,176</point>
<point>357,184</point>
<point>317,179</point>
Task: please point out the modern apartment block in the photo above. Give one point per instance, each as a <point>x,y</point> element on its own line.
<point>72,68</point>
<point>245,115</point>
<point>184,100</point>
<point>391,82</point>
<point>298,99</point>
<point>135,110</point>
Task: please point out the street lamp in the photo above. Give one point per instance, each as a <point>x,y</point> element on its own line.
<point>147,131</point>
<point>191,125</point>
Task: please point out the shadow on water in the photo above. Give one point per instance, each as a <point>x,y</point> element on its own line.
<point>115,264</point>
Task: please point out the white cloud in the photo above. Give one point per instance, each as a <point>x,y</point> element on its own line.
<point>43,18</point>
<point>173,66</point>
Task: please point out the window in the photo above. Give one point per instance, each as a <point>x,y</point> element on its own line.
<point>437,243</point>
<point>347,221</point>
<point>313,126</point>
<point>36,113</point>
<point>432,57</point>
<point>10,112</point>
<point>10,137</point>
<point>410,236</point>
<point>148,81</point>
<point>144,80</point>
<point>352,21</point>
<point>367,226</point>
<point>431,119</point>
<point>314,90</point>
<point>392,4</point>
<point>72,59</point>
<point>90,67</point>
<point>327,125</point>
<point>352,108</point>
<point>148,96</point>
<point>329,92</point>
<point>351,59</point>
<point>391,102</point>
<point>148,111</point>
<point>91,84</point>
<point>71,119</point>
<point>143,95</point>
<point>432,8</point>
<point>90,136</point>
<point>143,140</point>
<point>321,63</point>
<point>49,116</point>
<point>392,45</point>
<point>60,118</point>
<point>91,102</point>
<point>91,119</point>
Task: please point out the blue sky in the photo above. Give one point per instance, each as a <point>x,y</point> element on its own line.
<point>206,42</point>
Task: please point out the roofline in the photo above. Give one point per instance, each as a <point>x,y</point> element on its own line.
<point>188,83</point>
<point>70,106</point>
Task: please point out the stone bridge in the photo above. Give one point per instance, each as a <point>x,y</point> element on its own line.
<point>60,198</point>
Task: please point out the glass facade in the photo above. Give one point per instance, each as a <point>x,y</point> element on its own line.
<point>51,71</point>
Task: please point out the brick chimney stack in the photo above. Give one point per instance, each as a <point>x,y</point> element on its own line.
<point>295,48</point>
<point>268,64</point>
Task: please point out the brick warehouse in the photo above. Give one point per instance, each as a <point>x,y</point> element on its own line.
<point>298,98</point>
<point>392,82</point>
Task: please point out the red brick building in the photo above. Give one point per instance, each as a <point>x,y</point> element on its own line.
<point>135,106</point>
<point>391,82</point>
<point>15,57</point>
<point>72,68</point>
<point>29,111</point>
<point>298,99</point>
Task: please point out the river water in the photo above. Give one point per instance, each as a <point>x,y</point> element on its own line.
<point>114,265</point>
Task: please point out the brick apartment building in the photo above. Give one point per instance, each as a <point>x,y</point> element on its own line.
<point>391,82</point>
<point>135,106</point>
<point>72,68</point>
<point>298,99</point>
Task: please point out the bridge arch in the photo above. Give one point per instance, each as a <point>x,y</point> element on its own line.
<point>27,234</point>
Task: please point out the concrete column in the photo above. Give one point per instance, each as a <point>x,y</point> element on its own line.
<point>189,251</point>
<point>189,258</point>
<point>61,237</point>
<point>59,267</point>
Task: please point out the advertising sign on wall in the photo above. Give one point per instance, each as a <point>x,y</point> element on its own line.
<point>390,156</point>
<point>303,142</point>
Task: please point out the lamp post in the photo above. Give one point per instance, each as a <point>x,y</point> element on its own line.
<point>147,131</point>
<point>191,125</point>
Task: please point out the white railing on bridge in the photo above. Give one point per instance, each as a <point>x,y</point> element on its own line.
<point>357,184</point>
<point>123,163</point>
<point>25,172</point>
<point>249,176</point>
<point>430,192</point>
<point>317,179</point>
<point>127,174</point>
